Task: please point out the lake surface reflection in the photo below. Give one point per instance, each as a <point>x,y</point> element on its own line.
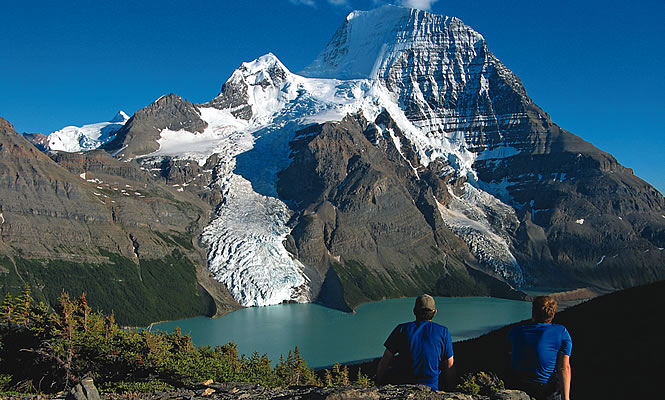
<point>325,336</point>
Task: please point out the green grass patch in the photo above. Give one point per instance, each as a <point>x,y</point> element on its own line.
<point>176,239</point>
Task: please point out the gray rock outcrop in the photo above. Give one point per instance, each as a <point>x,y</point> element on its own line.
<point>85,390</point>
<point>250,391</point>
<point>139,135</point>
<point>363,210</point>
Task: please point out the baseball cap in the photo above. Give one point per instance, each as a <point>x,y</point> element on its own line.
<point>425,302</point>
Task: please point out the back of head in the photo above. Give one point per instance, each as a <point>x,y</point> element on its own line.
<point>425,307</point>
<point>543,309</point>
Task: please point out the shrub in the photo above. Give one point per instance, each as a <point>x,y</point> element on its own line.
<point>49,351</point>
<point>484,383</point>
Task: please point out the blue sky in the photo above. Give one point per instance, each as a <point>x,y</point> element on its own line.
<point>597,67</point>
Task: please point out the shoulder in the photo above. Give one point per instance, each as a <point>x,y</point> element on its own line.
<point>439,327</point>
<point>522,326</point>
<point>565,335</point>
<point>406,324</point>
<point>557,332</point>
<point>558,328</point>
<point>402,327</point>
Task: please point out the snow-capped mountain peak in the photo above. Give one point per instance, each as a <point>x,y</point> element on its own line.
<point>265,71</point>
<point>255,90</point>
<point>121,117</point>
<point>86,137</point>
<point>266,62</point>
<point>369,42</point>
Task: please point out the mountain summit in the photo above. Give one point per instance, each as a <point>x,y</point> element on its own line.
<point>405,159</point>
<point>86,137</point>
<point>369,43</point>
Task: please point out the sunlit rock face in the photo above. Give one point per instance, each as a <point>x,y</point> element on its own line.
<point>475,114</point>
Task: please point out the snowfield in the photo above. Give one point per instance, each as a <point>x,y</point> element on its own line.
<point>86,137</point>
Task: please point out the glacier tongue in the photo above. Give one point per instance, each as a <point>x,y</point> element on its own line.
<point>246,250</point>
<point>245,239</point>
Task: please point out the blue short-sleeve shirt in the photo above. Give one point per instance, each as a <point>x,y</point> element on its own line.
<point>535,349</point>
<point>422,347</point>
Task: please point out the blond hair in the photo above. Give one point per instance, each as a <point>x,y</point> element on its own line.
<point>543,309</point>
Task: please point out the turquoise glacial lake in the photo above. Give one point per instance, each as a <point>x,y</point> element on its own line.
<point>325,336</point>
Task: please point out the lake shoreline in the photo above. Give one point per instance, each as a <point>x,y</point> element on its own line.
<point>325,336</point>
<point>565,297</point>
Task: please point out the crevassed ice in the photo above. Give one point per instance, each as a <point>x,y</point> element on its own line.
<point>246,251</point>
<point>467,218</point>
<point>245,239</point>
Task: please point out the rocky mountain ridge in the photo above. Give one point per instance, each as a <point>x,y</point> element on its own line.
<point>87,222</point>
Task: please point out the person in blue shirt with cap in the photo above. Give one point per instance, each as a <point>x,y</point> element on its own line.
<point>423,349</point>
<point>541,352</point>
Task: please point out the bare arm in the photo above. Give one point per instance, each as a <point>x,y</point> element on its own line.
<point>565,371</point>
<point>449,374</point>
<point>383,367</point>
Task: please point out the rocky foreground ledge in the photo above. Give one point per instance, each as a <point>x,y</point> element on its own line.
<point>252,391</point>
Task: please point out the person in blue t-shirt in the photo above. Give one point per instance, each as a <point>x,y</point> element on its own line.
<point>423,349</point>
<point>541,351</point>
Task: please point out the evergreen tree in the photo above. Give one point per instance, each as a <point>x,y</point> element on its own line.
<point>327,378</point>
<point>362,379</point>
<point>22,311</point>
<point>7,308</point>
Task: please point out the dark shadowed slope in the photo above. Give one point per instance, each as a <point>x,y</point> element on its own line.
<point>617,345</point>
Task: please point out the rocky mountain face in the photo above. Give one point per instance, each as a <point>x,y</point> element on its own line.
<point>38,139</point>
<point>87,222</point>
<point>139,135</point>
<point>363,209</point>
<point>580,214</point>
<point>406,158</point>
